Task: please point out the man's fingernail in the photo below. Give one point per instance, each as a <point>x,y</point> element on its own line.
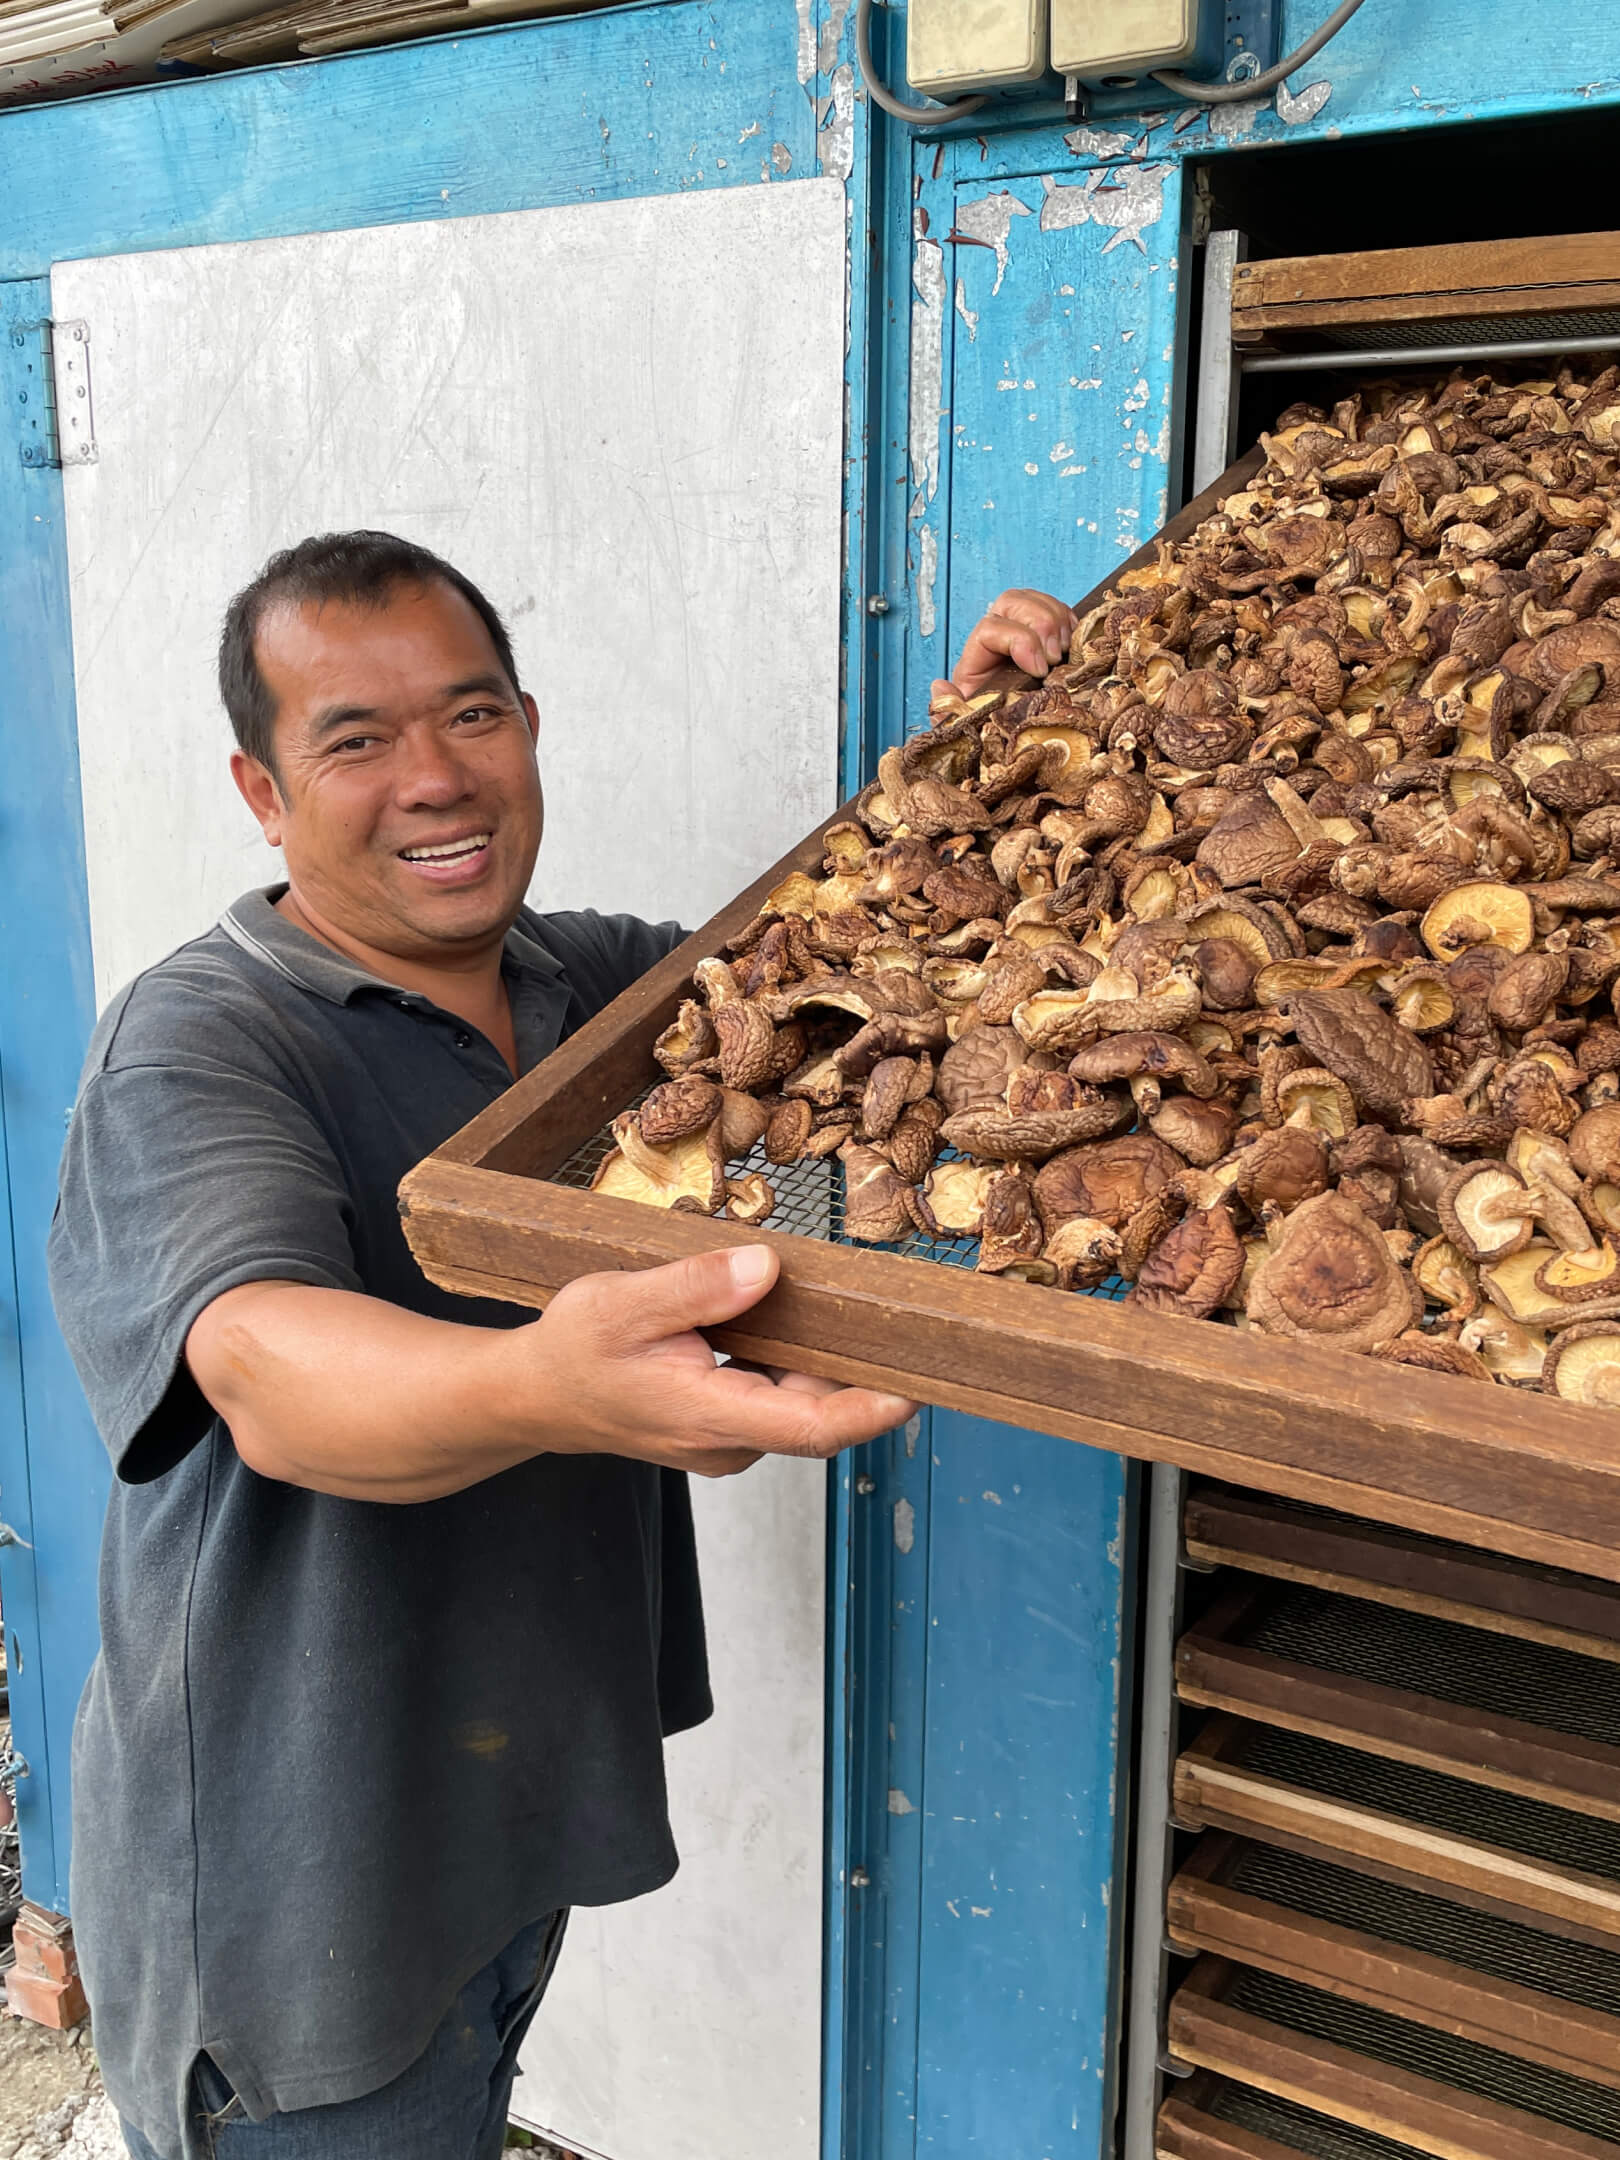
<point>750,1264</point>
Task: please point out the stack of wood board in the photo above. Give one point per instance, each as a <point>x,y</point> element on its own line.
<point>1405,1901</point>
<point>52,48</point>
<point>312,27</point>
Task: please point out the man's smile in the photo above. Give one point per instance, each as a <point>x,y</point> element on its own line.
<point>453,859</point>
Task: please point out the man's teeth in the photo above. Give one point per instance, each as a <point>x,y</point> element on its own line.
<point>450,851</point>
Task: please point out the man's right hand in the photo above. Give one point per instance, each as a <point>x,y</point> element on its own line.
<point>620,1360</point>
<point>346,1394</point>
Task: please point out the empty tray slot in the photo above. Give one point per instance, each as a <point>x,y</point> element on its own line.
<point>1209,2118</point>
<point>1522,1716</point>
<point>1296,1543</point>
<point>1393,1947</point>
<point>1447,2096</point>
<point>1496,1851</point>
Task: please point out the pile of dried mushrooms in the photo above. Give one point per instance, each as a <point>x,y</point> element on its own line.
<point>1266,954</point>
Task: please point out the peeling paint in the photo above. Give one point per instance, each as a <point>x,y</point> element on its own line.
<point>807,38</point>
<point>751,130</point>
<point>1063,206</point>
<point>993,1497</point>
<point>927,571</point>
<point>781,158</point>
<point>1133,202</point>
<point>1295,111</point>
<point>836,140</point>
<point>967,314</point>
<point>1097,142</point>
<point>989,220</point>
<point>898,1803</point>
<point>1059,451</point>
<point>927,363</point>
<point>905,1515</point>
<point>1236,123</point>
<point>832,36</point>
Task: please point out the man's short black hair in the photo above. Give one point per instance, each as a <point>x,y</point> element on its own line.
<point>357,568</point>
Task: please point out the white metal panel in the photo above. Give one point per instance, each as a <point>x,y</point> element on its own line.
<point>688,2026</point>
<point>625,422</point>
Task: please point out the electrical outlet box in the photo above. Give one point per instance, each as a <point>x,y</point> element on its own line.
<point>956,45</point>
<point>1116,41</point>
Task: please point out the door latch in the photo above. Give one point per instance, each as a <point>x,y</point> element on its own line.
<point>54,404</point>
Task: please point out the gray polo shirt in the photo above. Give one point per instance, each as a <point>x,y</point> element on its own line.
<point>334,1754</point>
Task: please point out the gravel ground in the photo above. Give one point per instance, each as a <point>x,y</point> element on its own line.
<point>52,2106</point>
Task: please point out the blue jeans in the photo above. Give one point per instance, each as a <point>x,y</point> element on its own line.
<point>451,2104</point>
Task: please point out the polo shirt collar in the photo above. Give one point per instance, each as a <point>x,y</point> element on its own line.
<point>255,924</point>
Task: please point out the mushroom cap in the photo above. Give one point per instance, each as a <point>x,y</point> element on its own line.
<point>1381,1063</point>
<point>1149,1050</point>
<point>1199,1130</point>
<point>956,1192</point>
<point>1594,1142</point>
<point>1109,1179</point>
<point>878,1203</point>
<point>1281,1168</point>
<point>1583,1365</point>
<point>1447,1277</point>
<point>688,1173</point>
<point>1580,1277</point>
<point>1332,1278</point>
<point>1435,1353</point>
<point>1479,912</point>
<point>750,1199</point>
<point>1485,1209</point>
<point>977,1067</point>
<point>996,1134</point>
<point>677,1108</point>
<point>1193,1267</point>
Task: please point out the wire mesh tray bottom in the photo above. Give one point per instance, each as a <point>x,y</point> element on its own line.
<point>1284,2122</point>
<point>1423,2052</point>
<point>1583,1843</point>
<point>810,1203</point>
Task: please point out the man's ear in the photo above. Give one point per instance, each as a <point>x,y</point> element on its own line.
<point>532,714</point>
<point>256,784</point>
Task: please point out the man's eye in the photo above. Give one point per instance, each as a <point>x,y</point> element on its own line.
<point>354,742</point>
<point>477,712</point>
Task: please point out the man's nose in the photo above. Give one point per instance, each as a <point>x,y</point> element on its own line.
<point>430,775</point>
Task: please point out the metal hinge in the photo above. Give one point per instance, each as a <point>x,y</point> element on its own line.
<point>58,422</point>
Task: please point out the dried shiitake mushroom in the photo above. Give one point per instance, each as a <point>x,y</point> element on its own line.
<point>1267,953</point>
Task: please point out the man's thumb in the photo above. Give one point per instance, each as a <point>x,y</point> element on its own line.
<point>702,1291</point>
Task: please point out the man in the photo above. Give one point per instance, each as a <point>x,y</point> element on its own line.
<point>398,1593</point>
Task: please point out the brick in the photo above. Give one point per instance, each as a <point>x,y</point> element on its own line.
<point>46,2002</point>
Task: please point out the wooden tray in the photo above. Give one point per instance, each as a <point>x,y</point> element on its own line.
<point>1489,1709</point>
<point>1481,284</point>
<point>1279,1538</point>
<point>1525,1860</point>
<point>1449,2097</point>
<point>1210,2118</point>
<point>1514,1473</point>
<point>1415,1955</point>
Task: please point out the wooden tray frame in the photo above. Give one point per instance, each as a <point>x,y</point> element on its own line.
<point>1205,1913</point>
<point>1477,280</point>
<point>1351,2087</point>
<point>1263,1536</point>
<point>1516,1474</point>
<point>1215,1790</point>
<point>1217,1670</point>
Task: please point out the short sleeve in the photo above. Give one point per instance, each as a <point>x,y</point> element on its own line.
<point>181,1181</point>
<point>605,954</point>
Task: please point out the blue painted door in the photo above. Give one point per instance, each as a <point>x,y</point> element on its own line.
<point>990,1571</point>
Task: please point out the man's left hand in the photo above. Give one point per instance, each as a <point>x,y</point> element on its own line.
<point>1031,629</point>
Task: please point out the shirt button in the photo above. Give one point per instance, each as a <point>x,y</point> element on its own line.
<point>463,1039</point>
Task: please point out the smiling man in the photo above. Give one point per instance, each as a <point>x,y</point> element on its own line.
<point>398,1596</point>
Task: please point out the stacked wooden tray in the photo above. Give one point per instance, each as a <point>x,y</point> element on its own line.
<point>1405,1903</point>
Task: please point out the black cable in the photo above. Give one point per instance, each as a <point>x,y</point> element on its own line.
<point>880,93</point>
<point>1256,86</point>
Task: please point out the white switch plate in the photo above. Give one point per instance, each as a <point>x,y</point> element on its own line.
<point>955,45</point>
<point>1098,38</point>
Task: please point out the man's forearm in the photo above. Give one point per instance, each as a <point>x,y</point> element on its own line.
<point>348,1395</point>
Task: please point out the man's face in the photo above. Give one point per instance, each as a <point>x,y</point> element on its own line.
<point>407,797</point>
